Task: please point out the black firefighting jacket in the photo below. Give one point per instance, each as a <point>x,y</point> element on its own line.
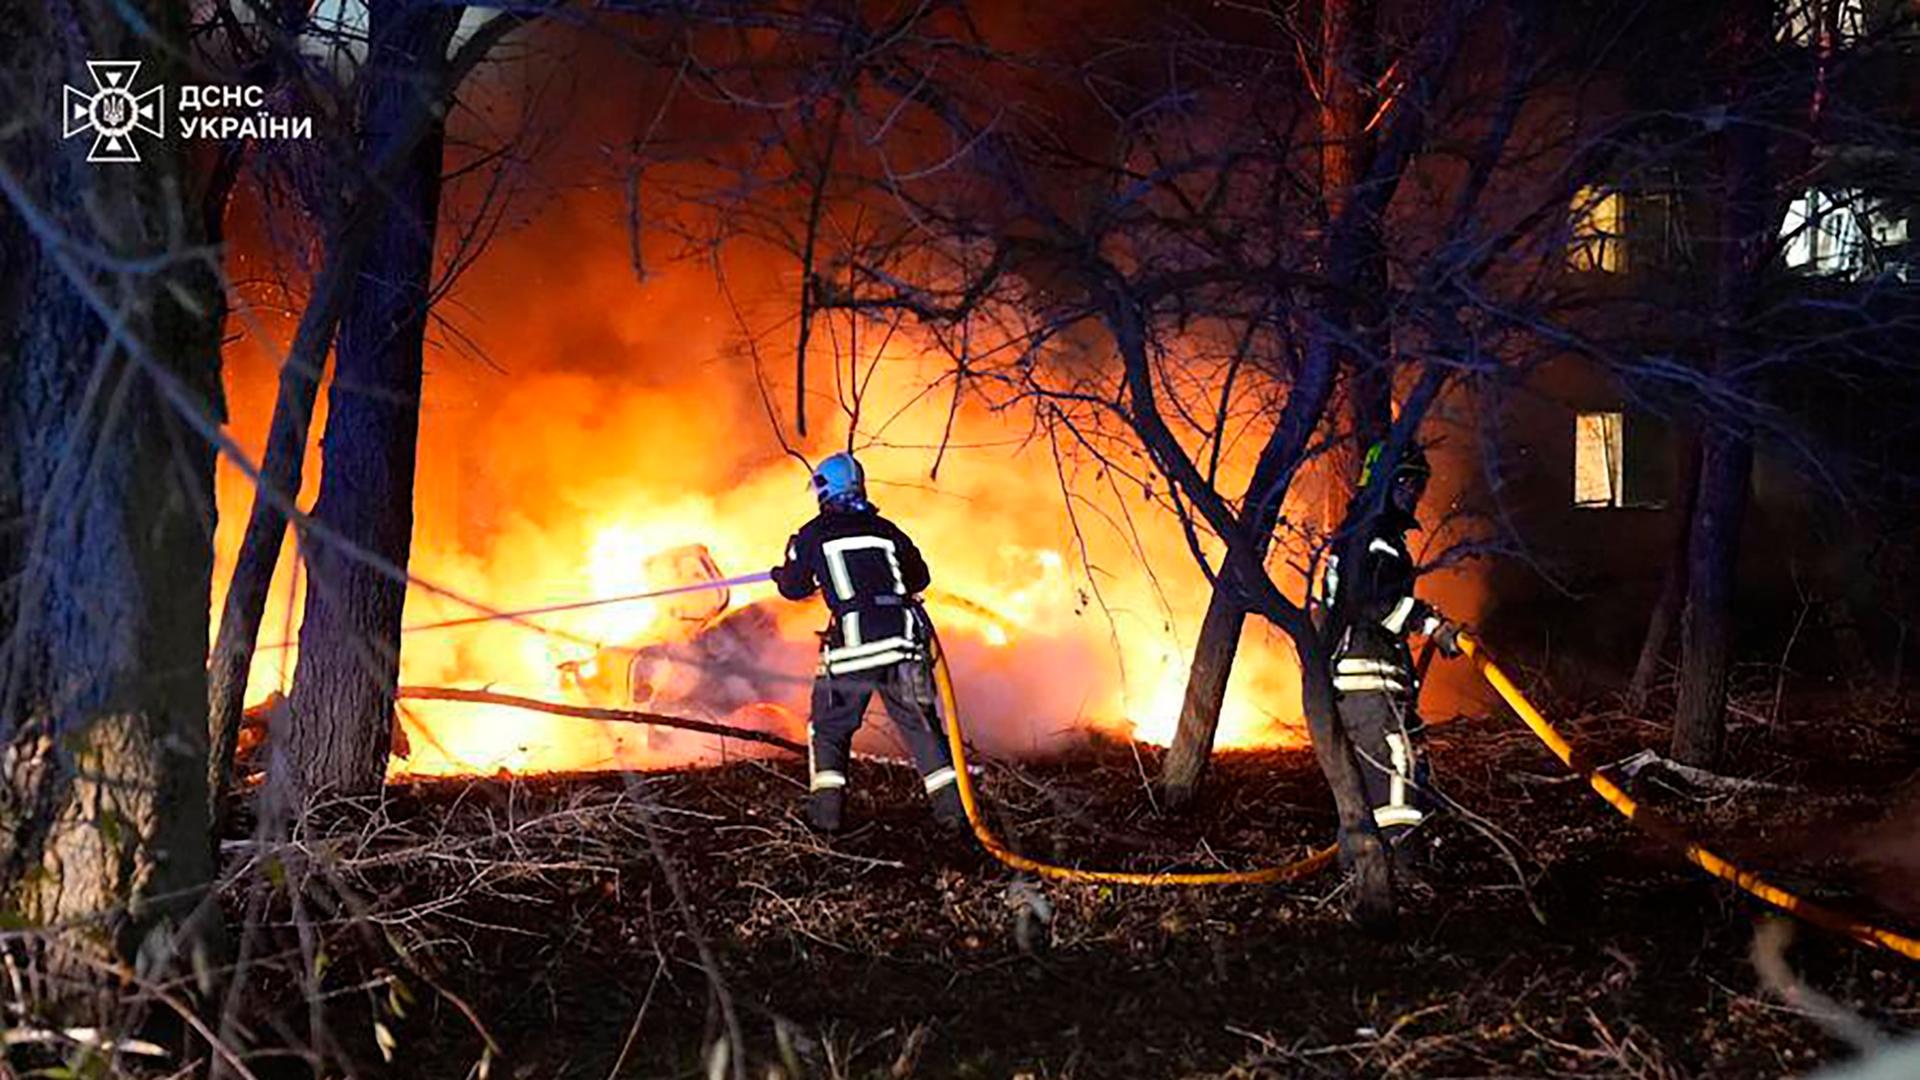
<point>1372,653</point>
<point>870,573</point>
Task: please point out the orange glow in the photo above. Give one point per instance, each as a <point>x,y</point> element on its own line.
<point>613,420</point>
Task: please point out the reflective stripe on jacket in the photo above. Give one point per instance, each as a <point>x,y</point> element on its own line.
<point>1372,654</point>
<point>868,571</point>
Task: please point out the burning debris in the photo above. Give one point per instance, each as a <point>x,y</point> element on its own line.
<point>522,523</point>
<point>722,666</point>
<point>700,657</point>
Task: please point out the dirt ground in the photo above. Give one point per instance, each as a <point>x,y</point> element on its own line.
<point>616,925</point>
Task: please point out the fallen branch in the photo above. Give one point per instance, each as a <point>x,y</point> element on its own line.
<point>1634,765</point>
<point>590,712</point>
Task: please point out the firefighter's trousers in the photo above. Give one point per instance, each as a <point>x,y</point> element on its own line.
<point>840,704</point>
<point>1390,743</point>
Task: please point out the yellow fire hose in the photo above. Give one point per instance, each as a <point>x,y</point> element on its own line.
<point>1617,798</point>
<point>1665,831</point>
<point>970,800</point>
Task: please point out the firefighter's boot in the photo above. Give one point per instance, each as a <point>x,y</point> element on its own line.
<point>826,810</point>
<point>947,809</point>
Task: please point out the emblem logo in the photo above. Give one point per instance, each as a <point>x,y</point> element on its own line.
<point>113,111</point>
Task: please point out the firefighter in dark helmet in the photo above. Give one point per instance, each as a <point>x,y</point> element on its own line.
<point>870,575</point>
<point>1374,681</point>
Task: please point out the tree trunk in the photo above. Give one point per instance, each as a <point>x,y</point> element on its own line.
<point>106,489</point>
<point>1350,73</point>
<point>1706,637</point>
<point>1207,676</point>
<point>1360,845</point>
<point>1219,641</point>
<point>1750,224</point>
<point>282,465</point>
<point>1673,585</point>
<point>1349,68</point>
<point>344,684</point>
<point>281,469</point>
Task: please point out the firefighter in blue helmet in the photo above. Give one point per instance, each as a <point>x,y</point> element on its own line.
<point>1374,681</point>
<point>871,576</point>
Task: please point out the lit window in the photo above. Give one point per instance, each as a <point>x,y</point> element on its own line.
<point>1599,459</point>
<point>1599,238</point>
<point>1837,232</point>
<point>1822,233</point>
<point>1888,237</point>
<point>1620,460</point>
<point>1821,22</point>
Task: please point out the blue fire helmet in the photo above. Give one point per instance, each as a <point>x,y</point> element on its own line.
<point>840,481</point>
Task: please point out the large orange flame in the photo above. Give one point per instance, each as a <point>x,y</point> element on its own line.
<point>609,420</point>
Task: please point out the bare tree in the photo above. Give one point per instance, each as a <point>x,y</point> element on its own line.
<point>343,197</point>
<point>1673,583</point>
<point>1792,115</point>
<point>1746,240</point>
<point>1124,258</point>
<point>109,375</point>
<point>1356,185</point>
<point>377,282</point>
<point>315,177</point>
<point>344,683</point>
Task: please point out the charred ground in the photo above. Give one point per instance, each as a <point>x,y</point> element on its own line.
<point>567,917</point>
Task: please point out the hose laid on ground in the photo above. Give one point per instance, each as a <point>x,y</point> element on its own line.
<point>1615,796</point>
<point>1662,830</point>
<point>970,801</point>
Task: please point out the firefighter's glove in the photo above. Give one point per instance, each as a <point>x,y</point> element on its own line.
<point>785,579</point>
<point>1446,637</point>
